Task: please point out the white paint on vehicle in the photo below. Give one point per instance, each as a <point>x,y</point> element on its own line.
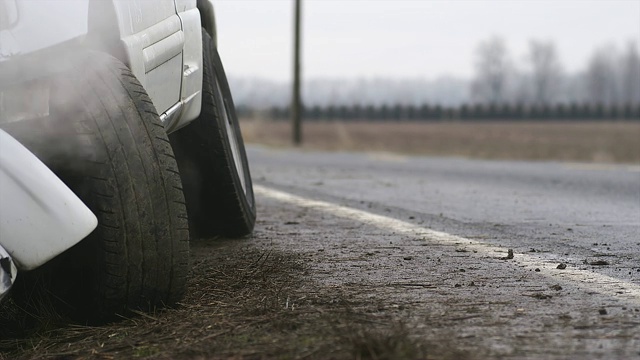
<point>40,217</point>
<point>589,281</point>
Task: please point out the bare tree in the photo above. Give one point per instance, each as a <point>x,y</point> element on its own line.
<point>630,75</point>
<point>601,77</point>
<point>546,72</point>
<point>492,72</point>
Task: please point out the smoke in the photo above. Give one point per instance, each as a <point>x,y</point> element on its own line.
<point>46,52</point>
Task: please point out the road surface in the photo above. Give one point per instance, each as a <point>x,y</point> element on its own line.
<point>501,259</point>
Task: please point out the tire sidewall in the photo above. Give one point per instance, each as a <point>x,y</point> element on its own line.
<point>219,77</point>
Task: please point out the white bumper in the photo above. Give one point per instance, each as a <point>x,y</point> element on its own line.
<point>40,217</point>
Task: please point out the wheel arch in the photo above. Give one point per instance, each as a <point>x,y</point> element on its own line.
<point>208,19</point>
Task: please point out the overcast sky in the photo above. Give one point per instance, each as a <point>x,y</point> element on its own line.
<point>409,39</point>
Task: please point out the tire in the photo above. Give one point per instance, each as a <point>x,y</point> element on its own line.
<point>117,158</point>
<point>213,161</point>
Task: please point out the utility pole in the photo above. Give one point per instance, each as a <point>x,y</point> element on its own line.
<point>296,107</point>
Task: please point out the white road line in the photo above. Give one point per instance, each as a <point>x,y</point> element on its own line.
<point>585,279</point>
<point>387,157</point>
<point>602,167</point>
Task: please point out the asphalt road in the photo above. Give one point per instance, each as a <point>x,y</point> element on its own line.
<point>564,207</point>
<point>584,216</point>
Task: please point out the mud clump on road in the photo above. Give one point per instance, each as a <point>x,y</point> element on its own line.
<point>241,303</point>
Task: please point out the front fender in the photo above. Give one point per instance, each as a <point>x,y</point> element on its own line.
<point>208,19</point>
<point>40,217</point>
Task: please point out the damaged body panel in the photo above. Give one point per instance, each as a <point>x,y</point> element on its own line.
<point>40,217</point>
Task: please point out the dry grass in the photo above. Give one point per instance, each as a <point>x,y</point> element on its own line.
<point>603,142</point>
<point>241,303</point>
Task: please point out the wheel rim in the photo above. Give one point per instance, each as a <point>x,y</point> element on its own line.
<point>232,137</point>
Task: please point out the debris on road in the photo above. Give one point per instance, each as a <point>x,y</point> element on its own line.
<point>509,255</point>
<point>602,311</point>
<point>597,262</point>
<point>540,296</point>
<point>561,266</point>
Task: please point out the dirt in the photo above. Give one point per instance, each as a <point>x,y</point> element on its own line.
<point>309,285</point>
<point>246,299</point>
<point>243,302</point>
<point>601,142</point>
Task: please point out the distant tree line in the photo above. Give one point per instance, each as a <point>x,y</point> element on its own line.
<point>532,86</point>
<point>475,112</point>
<point>612,77</point>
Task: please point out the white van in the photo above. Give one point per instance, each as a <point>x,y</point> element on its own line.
<point>118,137</point>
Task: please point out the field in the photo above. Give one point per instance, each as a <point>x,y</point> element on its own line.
<point>600,142</point>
